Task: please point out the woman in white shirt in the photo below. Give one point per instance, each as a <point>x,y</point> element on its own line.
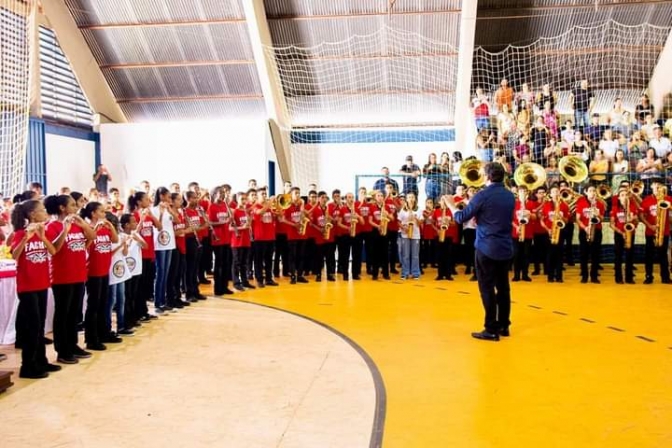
<point>164,245</point>
<point>620,169</point>
<point>410,219</point>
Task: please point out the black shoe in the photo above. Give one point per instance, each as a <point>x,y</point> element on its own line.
<point>648,280</point>
<point>619,281</point>
<point>584,279</point>
<point>261,285</point>
<point>48,341</point>
<point>393,271</point>
<point>302,280</point>
<point>331,278</point>
<point>535,273</point>
<point>95,347</point>
<point>346,277</point>
<point>292,281</point>
<point>249,286</point>
<point>201,297</point>
<point>52,368</point>
<point>38,375</point>
<point>184,303</point>
<point>67,360</point>
<point>112,338</point>
<point>204,281</point>
<point>526,278</point>
<point>559,280</point>
<point>179,305</point>
<point>356,277</point>
<point>79,352</point>
<point>504,332</point>
<point>515,279</point>
<point>666,281</point>
<point>595,280</point>
<point>485,335</point>
<point>439,277</point>
<point>374,277</point>
<point>551,280</point>
<point>318,278</point>
<point>387,277</point>
<point>126,332</point>
<point>145,318</point>
<point>630,282</point>
<point>271,283</point>
<point>473,278</point>
<point>450,278</point>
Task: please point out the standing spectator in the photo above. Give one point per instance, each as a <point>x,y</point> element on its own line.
<point>505,120</point>
<point>582,100</point>
<point>412,173</point>
<point>550,117</point>
<point>101,179</point>
<point>546,96</point>
<point>481,108</point>
<point>650,166</point>
<point>552,171</point>
<point>524,99</point>
<point>659,143</point>
<point>445,168</point>
<point>643,109</point>
<point>432,172</point>
<point>504,95</point>
<point>455,166</point>
<point>540,137</point>
<point>380,183</point>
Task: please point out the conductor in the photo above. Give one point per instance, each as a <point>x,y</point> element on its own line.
<point>493,208</point>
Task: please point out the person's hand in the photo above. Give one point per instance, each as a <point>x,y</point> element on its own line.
<point>526,214</point>
<point>448,200</point>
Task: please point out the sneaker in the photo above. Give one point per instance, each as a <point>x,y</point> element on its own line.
<point>415,277</point>
<point>67,360</point>
<point>238,287</point>
<point>145,318</point>
<point>80,353</point>
<point>201,297</point>
<point>126,332</point>
<point>159,311</point>
<point>271,283</point>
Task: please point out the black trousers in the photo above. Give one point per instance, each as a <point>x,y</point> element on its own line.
<point>350,248</point>
<point>379,255</point>
<point>131,293</point>
<point>554,260</point>
<point>521,260</point>
<point>310,253</point>
<point>295,257</point>
<point>97,289</point>
<point>66,317</point>
<point>222,272</point>
<point>240,255</point>
<point>146,286</point>
<point>653,255</point>
<point>263,261</point>
<point>33,311</point>
<point>567,236</point>
<point>393,247</point>
<point>367,239</point>
<point>193,257</point>
<point>281,252</point>
<point>539,251</point>
<point>493,284</point>
<point>590,252</point>
<point>428,255</point>
<point>250,261</point>
<point>621,252</point>
<point>325,254</point>
<point>469,250</point>
<point>444,253</point>
<point>205,260</point>
<point>175,275</point>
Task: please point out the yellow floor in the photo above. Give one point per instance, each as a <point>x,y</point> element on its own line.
<point>586,365</point>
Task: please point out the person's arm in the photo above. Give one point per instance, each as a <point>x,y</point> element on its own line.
<point>470,211</point>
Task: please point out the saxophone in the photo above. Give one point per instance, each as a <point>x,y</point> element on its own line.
<point>629,227</point>
<point>326,231</point>
<point>558,224</point>
<point>411,224</point>
<point>305,220</point>
<point>384,221</point>
<point>443,228</point>
<point>662,210</point>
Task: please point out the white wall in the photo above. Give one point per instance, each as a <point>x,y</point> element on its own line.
<point>210,153</point>
<point>70,162</point>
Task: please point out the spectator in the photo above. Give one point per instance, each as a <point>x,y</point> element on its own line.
<point>608,145</point>
<point>552,172</point>
<point>582,100</point>
<point>550,119</point>
<point>481,108</point>
<point>620,169</point>
<point>484,144</point>
<point>546,96</point>
<point>650,166</point>
<point>445,167</point>
<point>539,137</point>
<point>567,135</point>
<point>432,174</point>
<point>521,149</point>
<point>505,121</point>
<point>523,116</point>
<point>504,95</point>
<point>580,147</point>
<point>524,99</point>
<point>643,109</point>
<point>593,131</point>
<point>553,150</point>
<point>636,150</point>
<point>598,168</point>
<point>456,164</point>
<point>647,127</point>
<point>617,117</point>
<point>659,143</point>
<point>101,178</point>
<point>380,183</point>
<point>411,173</point>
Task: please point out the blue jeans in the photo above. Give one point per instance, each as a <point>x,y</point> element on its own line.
<point>161,279</point>
<point>432,189</point>
<point>482,123</point>
<point>410,257</point>
<point>116,297</point>
<point>581,119</point>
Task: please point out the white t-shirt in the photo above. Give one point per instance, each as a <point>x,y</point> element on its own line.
<point>119,271</point>
<point>164,239</point>
<point>609,148</point>
<point>404,217</point>
<point>134,258</point>
<point>661,146</point>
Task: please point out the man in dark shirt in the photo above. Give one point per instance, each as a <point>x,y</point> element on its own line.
<point>380,183</point>
<point>493,209</point>
<point>411,173</point>
<point>101,179</point>
<point>582,100</point>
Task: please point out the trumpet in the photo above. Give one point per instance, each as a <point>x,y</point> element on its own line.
<point>637,188</point>
<point>662,210</point>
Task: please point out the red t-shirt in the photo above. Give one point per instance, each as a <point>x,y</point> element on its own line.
<point>452,231</point>
<point>618,214</point>
<point>117,209</point>
<point>220,213</point>
<point>319,218</point>
<point>69,264</point>
<point>363,209</point>
<point>336,212</point>
<point>180,224</point>
<point>196,220</point>
<point>243,239</point>
<point>146,231</point>
<point>392,208</point>
<point>583,211</point>
<point>650,213</point>
<point>293,215</point>
<point>536,227</point>
<point>100,253</point>
<point>548,213</point>
<point>529,227</point>
<point>311,232</point>
<point>428,230</point>
<point>263,225</point>
<point>346,217</point>
<point>32,267</point>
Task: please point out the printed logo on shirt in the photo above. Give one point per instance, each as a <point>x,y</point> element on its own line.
<point>296,216</point>
<point>36,252</point>
<point>147,228</point>
<point>119,269</point>
<point>222,217</point>
<point>130,262</point>
<point>164,238</point>
<point>103,244</point>
<point>76,242</point>
<point>267,218</point>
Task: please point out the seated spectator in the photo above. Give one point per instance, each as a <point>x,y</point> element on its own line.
<point>617,118</point>
<point>650,166</point>
<point>481,108</point>
<point>521,149</point>
<point>539,136</point>
<point>620,169</point>
<point>580,147</point>
<point>647,127</point>
<point>661,144</point>
<point>550,119</point>
<point>552,171</point>
<point>505,120</point>
<point>643,109</point>
<point>553,150</point>
<point>593,131</point>
<point>608,145</point>
<point>598,168</point>
<point>567,135</point>
<point>636,149</point>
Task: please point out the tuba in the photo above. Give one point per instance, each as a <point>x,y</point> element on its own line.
<point>531,175</point>
<point>282,202</point>
<point>662,210</point>
<point>573,169</point>
<point>603,191</point>
<point>471,173</point>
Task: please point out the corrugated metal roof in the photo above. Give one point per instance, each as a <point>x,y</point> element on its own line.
<point>193,110</point>
<point>284,8</point>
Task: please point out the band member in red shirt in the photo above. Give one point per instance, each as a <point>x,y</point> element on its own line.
<point>323,224</point>
<point>653,251</point>
<point>178,260</point>
<point>348,220</point>
<point>589,214</point>
<point>140,205</point>
<point>263,228</point>
<point>31,249</point>
<point>69,234</point>
<point>442,216</point>
<point>241,244</point>
<point>548,212</point>
<point>116,206</point>
<point>98,284</point>
<point>198,229</point>
<point>523,212</point>
<point>541,240</point>
<point>428,236</point>
<point>379,252</point>
<point>281,244</point>
<point>312,237</point>
<point>220,215</point>
<point>335,214</point>
<point>292,217</point>
<point>624,223</point>
<point>252,197</point>
<point>393,203</point>
<point>205,257</point>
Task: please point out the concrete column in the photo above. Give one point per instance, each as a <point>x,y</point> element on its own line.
<point>660,85</point>
<point>465,129</point>
<point>88,73</point>
<point>260,37</point>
